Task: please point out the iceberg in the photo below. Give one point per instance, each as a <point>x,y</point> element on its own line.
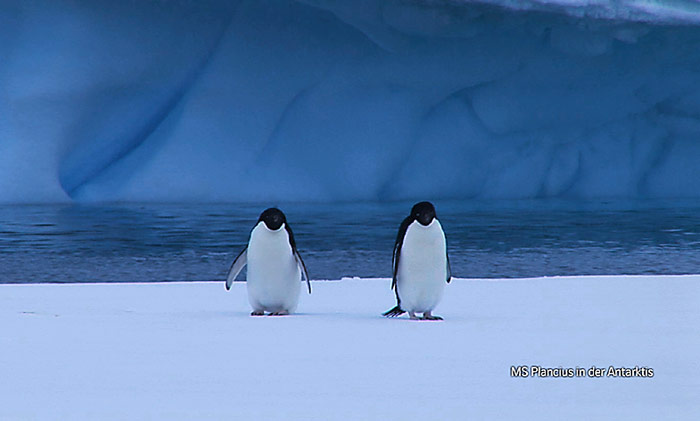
<point>330,100</point>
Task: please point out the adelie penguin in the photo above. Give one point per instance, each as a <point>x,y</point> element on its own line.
<point>275,268</point>
<point>421,267</point>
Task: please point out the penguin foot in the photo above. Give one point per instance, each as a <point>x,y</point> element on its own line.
<point>280,313</point>
<point>257,313</point>
<point>428,316</point>
<point>394,312</point>
<point>413,316</point>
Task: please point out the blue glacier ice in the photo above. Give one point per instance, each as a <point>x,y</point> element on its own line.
<point>333,100</point>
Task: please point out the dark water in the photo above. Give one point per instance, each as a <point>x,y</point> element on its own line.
<point>176,242</point>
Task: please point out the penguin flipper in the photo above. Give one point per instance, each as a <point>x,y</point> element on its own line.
<point>396,256</point>
<point>449,269</point>
<point>302,266</point>
<point>297,256</point>
<point>394,312</point>
<point>238,264</point>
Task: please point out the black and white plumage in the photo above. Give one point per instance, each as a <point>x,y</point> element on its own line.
<point>421,266</point>
<point>275,268</point>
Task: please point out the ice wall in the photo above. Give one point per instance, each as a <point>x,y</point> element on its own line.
<point>348,100</point>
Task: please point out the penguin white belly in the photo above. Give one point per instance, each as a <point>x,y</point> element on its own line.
<point>422,271</point>
<point>274,276</point>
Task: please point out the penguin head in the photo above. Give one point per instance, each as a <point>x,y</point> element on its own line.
<point>423,212</point>
<point>273,218</point>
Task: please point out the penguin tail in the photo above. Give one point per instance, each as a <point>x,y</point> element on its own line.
<point>394,312</point>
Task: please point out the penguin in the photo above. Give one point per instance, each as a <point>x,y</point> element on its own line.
<point>275,268</point>
<point>421,266</point>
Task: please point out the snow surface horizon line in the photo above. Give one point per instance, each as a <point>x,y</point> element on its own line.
<point>350,279</point>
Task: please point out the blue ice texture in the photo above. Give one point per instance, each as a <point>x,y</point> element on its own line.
<point>331,100</point>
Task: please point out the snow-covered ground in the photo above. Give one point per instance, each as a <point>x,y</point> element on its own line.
<point>190,351</point>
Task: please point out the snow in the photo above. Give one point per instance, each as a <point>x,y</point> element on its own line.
<point>190,350</point>
<point>325,100</point>
<point>658,11</point>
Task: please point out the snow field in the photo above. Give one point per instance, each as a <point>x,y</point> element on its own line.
<point>191,351</point>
